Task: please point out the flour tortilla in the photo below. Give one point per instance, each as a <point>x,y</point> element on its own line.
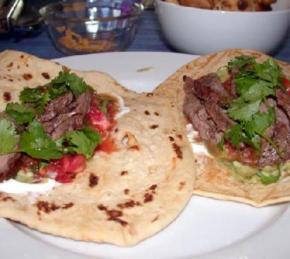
<point>122,197</point>
<point>212,179</point>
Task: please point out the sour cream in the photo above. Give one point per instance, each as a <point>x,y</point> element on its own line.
<point>15,187</point>
<point>123,109</point>
<point>197,148</point>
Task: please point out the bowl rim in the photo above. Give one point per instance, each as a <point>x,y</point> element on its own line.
<point>173,5</point>
<point>44,12</point>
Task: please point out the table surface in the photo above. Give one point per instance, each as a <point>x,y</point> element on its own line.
<point>148,38</point>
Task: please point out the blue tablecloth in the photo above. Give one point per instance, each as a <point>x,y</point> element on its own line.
<point>148,38</point>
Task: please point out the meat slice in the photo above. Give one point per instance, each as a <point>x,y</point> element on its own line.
<point>210,87</point>
<point>280,134</point>
<point>57,106</point>
<point>217,114</point>
<point>283,101</point>
<point>197,114</point>
<point>9,165</point>
<point>65,114</point>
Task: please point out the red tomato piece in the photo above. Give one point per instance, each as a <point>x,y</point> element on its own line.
<point>108,146</point>
<point>66,168</point>
<point>73,163</point>
<point>286,83</point>
<point>98,119</point>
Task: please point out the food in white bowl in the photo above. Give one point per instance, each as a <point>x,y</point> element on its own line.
<point>228,5</point>
<point>201,31</point>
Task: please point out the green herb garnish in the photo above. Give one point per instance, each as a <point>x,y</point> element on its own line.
<point>82,142</point>
<point>37,98</point>
<point>70,81</point>
<point>8,137</point>
<point>36,143</point>
<point>254,83</point>
<point>20,113</point>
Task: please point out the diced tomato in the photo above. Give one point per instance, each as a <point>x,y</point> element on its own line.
<point>98,119</point>
<point>73,163</point>
<point>286,83</point>
<point>108,145</point>
<point>246,155</point>
<point>66,168</point>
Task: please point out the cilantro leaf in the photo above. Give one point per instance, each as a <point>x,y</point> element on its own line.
<point>71,81</point>
<point>83,141</point>
<point>37,144</point>
<point>254,83</point>
<point>37,98</point>
<point>20,113</point>
<point>241,64</point>
<point>8,137</point>
<point>269,71</point>
<point>236,135</point>
<point>260,122</point>
<point>252,89</point>
<point>242,111</point>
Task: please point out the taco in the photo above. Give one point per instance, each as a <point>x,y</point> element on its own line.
<point>82,157</point>
<point>235,106</point>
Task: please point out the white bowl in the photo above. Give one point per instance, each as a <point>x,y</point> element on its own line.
<point>201,31</point>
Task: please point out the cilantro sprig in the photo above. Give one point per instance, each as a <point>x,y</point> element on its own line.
<point>8,136</point>
<point>38,97</point>
<point>20,113</point>
<point>36,143</point>
<point>254,83</point>
<point>82,142</point>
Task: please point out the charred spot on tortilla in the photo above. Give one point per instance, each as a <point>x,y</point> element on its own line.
<point>45,75</point>
<point>147,112</point>
<point>148,197</point>
<point>27,76</point>
<point>153,187</point>
<point>93,180</point>
<point>149,94</point>
<point>48,207</point>
<point>177,150</point>
<point>154,126</point>
<point>171,138</point>
<point>128,204</point>
<point>123,173</point>
<point>10,65</point>
<point>126,191</point>
<point>156,113</point>
<point>113,214</point>
<point>181,185</point>
<point>7,96</point>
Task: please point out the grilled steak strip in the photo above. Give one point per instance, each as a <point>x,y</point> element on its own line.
<point>64,114</point>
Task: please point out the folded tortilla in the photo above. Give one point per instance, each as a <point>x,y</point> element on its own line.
<point>122,197</point>
<point>213,180</point>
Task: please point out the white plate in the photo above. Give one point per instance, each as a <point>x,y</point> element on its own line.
<point>206,228</point>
